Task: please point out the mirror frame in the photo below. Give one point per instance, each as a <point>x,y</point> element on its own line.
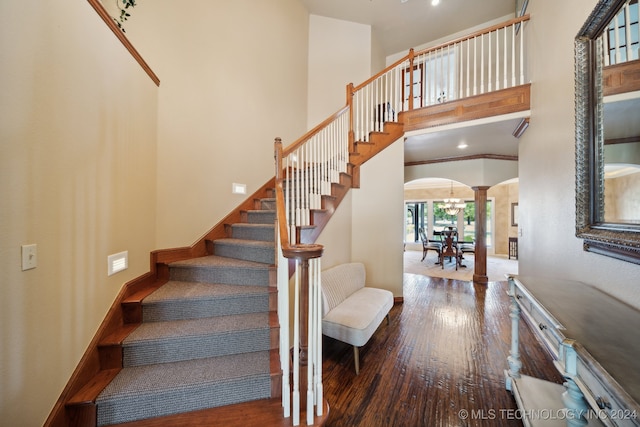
<point>619,241</point>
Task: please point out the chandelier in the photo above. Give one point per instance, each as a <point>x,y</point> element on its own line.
<point>452,205</point>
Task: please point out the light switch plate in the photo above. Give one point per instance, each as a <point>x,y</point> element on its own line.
<point>29,256</point>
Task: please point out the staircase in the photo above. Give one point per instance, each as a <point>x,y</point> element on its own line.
<point>196,339</point>
<point>208,336</point>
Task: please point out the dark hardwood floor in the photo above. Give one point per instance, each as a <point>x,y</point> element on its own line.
<point>440,361</point>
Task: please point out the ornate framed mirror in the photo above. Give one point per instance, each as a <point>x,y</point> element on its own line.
<point>608,131</point>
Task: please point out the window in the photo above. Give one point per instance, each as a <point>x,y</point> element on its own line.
<point>464,221</point>
<point>622,35</point>
<point>416,218</point>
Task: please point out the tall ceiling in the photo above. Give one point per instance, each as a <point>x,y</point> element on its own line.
<point>399,25</point>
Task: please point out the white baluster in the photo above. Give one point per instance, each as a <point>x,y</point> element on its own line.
<point>283,316</point>
<point>387,98</point>
<point>318,338</point>
<point>296,348</point>
<point>497,59</point>
<point>310,346</point>
<point>489,65</point>
<point>307,184</point>
<point>376,103</point>
<point>461,68</point>
<point>482,63</point>
<point>318,172</point>
<point>504,60</point>
<point>513,55</point>
<point>475,65</point>
<point>368,112</point>
<point>426,62</point>
<point>297,189</point>
<point>522,28</point>
<point>467,65</point>
<point>451,67</point>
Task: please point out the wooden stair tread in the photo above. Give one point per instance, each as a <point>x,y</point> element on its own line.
<point>88,393</point>
<point>119,335</point>
<point>138,296</point>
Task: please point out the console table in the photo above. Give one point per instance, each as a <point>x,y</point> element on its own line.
<point>594,341</point>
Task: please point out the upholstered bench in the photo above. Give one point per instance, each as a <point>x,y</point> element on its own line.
<point>352,312</point>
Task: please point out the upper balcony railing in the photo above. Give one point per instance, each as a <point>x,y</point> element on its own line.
<point>483,62</point>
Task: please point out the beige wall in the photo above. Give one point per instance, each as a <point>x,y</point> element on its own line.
<point>232,81</point>
<point>95,159</point>
<point>548,245</point>
<point>504,195</point>
<point>378,219</point>
<point>77,178</point>
<point>339,54</point>
<point>336,236</point>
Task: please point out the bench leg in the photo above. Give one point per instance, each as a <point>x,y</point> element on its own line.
<point>388,319</point>
<point>356,359</point>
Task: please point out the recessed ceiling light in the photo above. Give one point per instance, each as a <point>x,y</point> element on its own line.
<point>435,2</point>
<point>462,145</point>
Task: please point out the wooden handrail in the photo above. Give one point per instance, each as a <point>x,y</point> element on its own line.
<point>298,142</point>
<point>123,39</point>
<point>476,34</point>
<point>380,73</point>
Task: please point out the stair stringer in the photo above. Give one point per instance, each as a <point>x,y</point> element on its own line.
<point>378,141</point>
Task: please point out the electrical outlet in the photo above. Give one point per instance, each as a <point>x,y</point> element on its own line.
<point>29,256</point>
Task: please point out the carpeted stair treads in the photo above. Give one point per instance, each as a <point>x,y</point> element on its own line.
<point>205,340</point>
<point>217,269</point>
<point>162,342</point>
<point>163,389</point>
<point>263,232</point>
<point>249,250</point>
<point>261,216</point>
<point>190,300</point>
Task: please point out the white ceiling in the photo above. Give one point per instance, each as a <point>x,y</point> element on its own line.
<point>494,136</point>
<point>402,24</point>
